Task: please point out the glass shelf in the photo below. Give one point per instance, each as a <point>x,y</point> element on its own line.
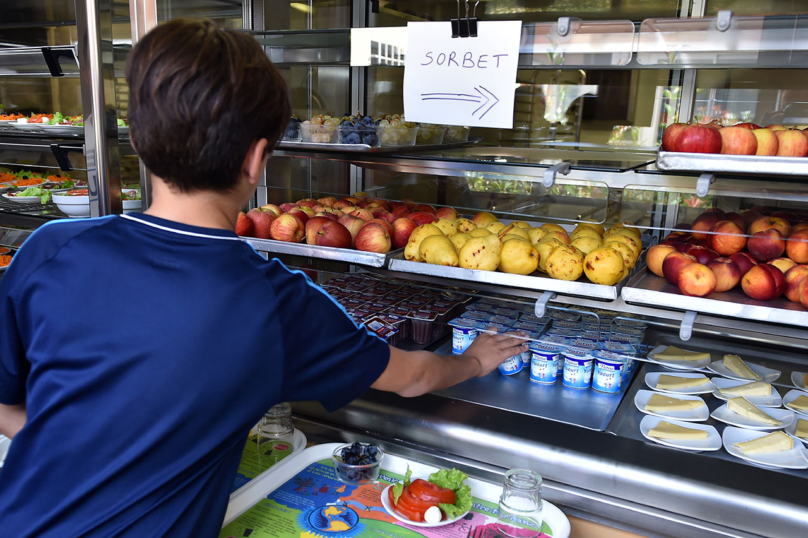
<point>585,44</point>
<point>313,47</point>
<point>39,62</point>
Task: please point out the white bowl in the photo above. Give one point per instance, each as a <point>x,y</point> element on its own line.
<point>73,206</point>
<point>130,206</point>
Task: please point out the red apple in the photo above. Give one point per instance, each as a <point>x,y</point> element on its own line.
<point>655,256</point>
<point>378,204</point>
<point>673,263</point>
<point>402,229</point>
<point>401,211</point>
<point>384,215</point>
<point>698,138</point>
<point>352,223</point>
<point>425,208</point>
<point>794,278</point>
<point>727,238</point>
<point>299,213</point>
<point>312,227</point>
<point>363,214</point>
<point>797,246</point>
<point>746,125</point>
<point>244,225</point>
<point>286,207</point>
<point>344,205</point>
<point>792,144</point>
<point>328,201</point>
<point>727,273</point>
<point>422,217</point>
<point>766,223</point>
<point>776,127</point>
<point>352,199</point>
<point>387,226</point>
<point>329,216</point>
<point>333,234</point>
<point>744,260</point>
<point>272,208</point>
<point>760,282</point>
<point>670,134</point>
<point>737,219</point>
<point>373,238</point>
<point>307,202</point>
<point>704,222</point>
<point>261,222</point>
<point>696,280</point>
<point>766,245</point>
<point>409,203</point>
<point>768,144</point>
<point>738,141</point>
<point>703,255</point>
<point>287,228</point>
<point>449,213</point>
<point>363,203</point>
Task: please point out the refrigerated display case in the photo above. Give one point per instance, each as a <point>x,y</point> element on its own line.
<point>624,72</point>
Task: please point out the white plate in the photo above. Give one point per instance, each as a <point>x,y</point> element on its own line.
<point>685,366</point>
<point>772,400</point>
<point>767,375</point>
<point>713,442</point>
<point>652,378</point>
<point>796,458</point>
<point>790,397</point>
<point>796,379</point>
<point>35,127</point>
<point>23,199</point>
<point>63,129</point>
<point>734,419</point>
<point>691,415</point>
<point>392,512</point>
<point>792,431</point>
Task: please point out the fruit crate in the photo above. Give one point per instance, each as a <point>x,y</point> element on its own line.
<point>582,287</point>
<point>359,257</point>
<point>648,289</point>
<point>737,164</point>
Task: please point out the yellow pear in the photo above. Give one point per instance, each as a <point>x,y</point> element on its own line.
<point>516,230</point>
<point>481,253</point>
<point>544,249</point>
<point>483,219</point>
<point>480,232</point>
<point>465,225</point>
<point>586,244</point>
<point>635,245</point>
<point>535,235</point>
<point>584,231</point>
<point>509,237</point>
<point>438,250</point>
<point>550,227</point>
<point>458,240</point>
<point>518,258</point>
<point>419,234</point>
<point>629,259</point>
<point>598,227</point>
<point>448,227</point>
<point>631,232</point>
<point>524,225</point>
<point>558,236</point>
<point>495,227</point>
<point>565,263</point>
<point>604,266</point>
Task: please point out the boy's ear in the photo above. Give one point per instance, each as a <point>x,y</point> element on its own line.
<point>254,162</point>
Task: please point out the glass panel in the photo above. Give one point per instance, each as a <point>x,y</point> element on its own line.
<point>757,7</point>
<point>307,14</point>
<point>227,13</point>
<point>289,180</point>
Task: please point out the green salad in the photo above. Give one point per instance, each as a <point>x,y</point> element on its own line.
<point>39,192</point>
<point>445,478</point>
<point>130,195</point>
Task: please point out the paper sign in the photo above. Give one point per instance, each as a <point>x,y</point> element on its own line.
<point>461,81</point>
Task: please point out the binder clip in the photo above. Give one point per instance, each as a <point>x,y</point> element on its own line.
<point>465,26</point>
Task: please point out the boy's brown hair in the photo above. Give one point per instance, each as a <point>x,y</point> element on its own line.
<point>199,96</point>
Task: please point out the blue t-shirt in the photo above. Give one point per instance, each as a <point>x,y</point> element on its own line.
<point>145,350</point>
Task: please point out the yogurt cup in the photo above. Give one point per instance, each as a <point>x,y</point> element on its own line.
<point>578,366</point>
<point>462,338</point>
<point>576,325</point>
<point>608,373</point>
<point>544,363</point>
<point>512,365</point>
<point>564,316</point>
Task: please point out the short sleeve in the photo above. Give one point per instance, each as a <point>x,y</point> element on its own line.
<point>327,357</point>
<point>14,367</point>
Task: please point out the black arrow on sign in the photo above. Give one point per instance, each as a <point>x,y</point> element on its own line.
<point>465,97</point>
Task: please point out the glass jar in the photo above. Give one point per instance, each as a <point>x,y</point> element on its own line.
<point>520,506</point>
<point>277,424</point>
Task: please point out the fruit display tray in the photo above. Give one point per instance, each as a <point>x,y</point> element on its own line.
<point>346,255</point>
<point>647,288</point>
<point>739,164</point>
<point>364,148</point>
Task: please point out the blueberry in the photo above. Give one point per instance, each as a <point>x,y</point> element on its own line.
<point>346,123</point>
<point>368,120</point>
<point>351,138</point>
<point>370,139</point>
<point>373,450</point>
<point>360,127</point>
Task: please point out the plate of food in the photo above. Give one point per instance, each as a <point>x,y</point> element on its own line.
<point>799,380</point>
<point>74,203</point>
<point>775,449</point>
<point>756,392</point>
<point>679,383</point>
<point>739,412</point>
<point>681,407</point>
<point>5,261</point>
<point>683,435</point>
<point>734,367</point>
<point>21,198</point>
<point>679,359</point>
<point>441,499</point>
<point>799,430</point>
<point>797,401</point>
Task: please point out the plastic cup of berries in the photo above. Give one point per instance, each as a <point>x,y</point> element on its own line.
<point>357,463</point>
<point>359,131</point>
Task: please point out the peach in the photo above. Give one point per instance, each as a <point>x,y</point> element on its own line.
<point>737,219</point>
<point>727,238</point>
<point>744,260</point>
<point>696,280</point>
<point>766,245</point>
<point>373,238</point>
<point>333,234</point>
<point>704,255</point>
<point>766,223</point>
<point>674,263</point>
<point>704,222</point>
<point>797,246</point>
<point>767,142</point>
<point>794,278</point>
<point>738,141</point>
<point>727,273</point>
<point>786,215</point>
<point>749,217</point>
<point>784,264</point>
<point>798,227</point>
<point>792,144</point>
<point>803,289</point>
<point>402,229</point>
<point>759,283</point>
<point>287,228</point>
<point>776,127</point>
<point>655,257</point>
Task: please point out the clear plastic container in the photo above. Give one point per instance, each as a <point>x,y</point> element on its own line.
<point>397,136</point>
<point>359,134</point>
<point>455,134</point>
<point>429,134</point>
<point>322,134</point>
<point>357,474</point>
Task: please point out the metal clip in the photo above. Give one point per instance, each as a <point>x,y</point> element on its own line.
<point>563,27</point>
<point>703,184</point>
<point>686,329</point>
<point>472,22</point>
<point>723,20</point>
<point>456,22</point>
<point>541,303</point>
<point>550,173</point>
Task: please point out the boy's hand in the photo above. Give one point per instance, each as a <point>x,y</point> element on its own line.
<point>491,350</point>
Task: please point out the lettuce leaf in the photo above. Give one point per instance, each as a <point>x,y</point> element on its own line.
<point>462,503</point>
<point>43,194</point>
<point>448,479</point>
<point>57,119</point>
<point>398,487</point>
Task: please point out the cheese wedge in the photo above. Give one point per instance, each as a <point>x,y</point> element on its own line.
<point>800,403</point>
<point>666,430</point>
<point>675,382</point>
<point>755,388</point>
<point>774,442</point>
<point>805,380</point>
<point>673,353</point>
<point>745,409</point>
<point>658,402</point>
<point>802,428</point>
<point>736,365</point>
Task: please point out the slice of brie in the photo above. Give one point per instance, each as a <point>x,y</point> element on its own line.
<point>673,353</point>
<point>800,403</point>
<point>774,442</point>
<point>736,365</point>
<point>805,381</point>
<point>658,402</point>
<point>676,382</point>
<point>802,429</point>
<point>745,409</point>
<point>666,430</point>
<point>755,388</point>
